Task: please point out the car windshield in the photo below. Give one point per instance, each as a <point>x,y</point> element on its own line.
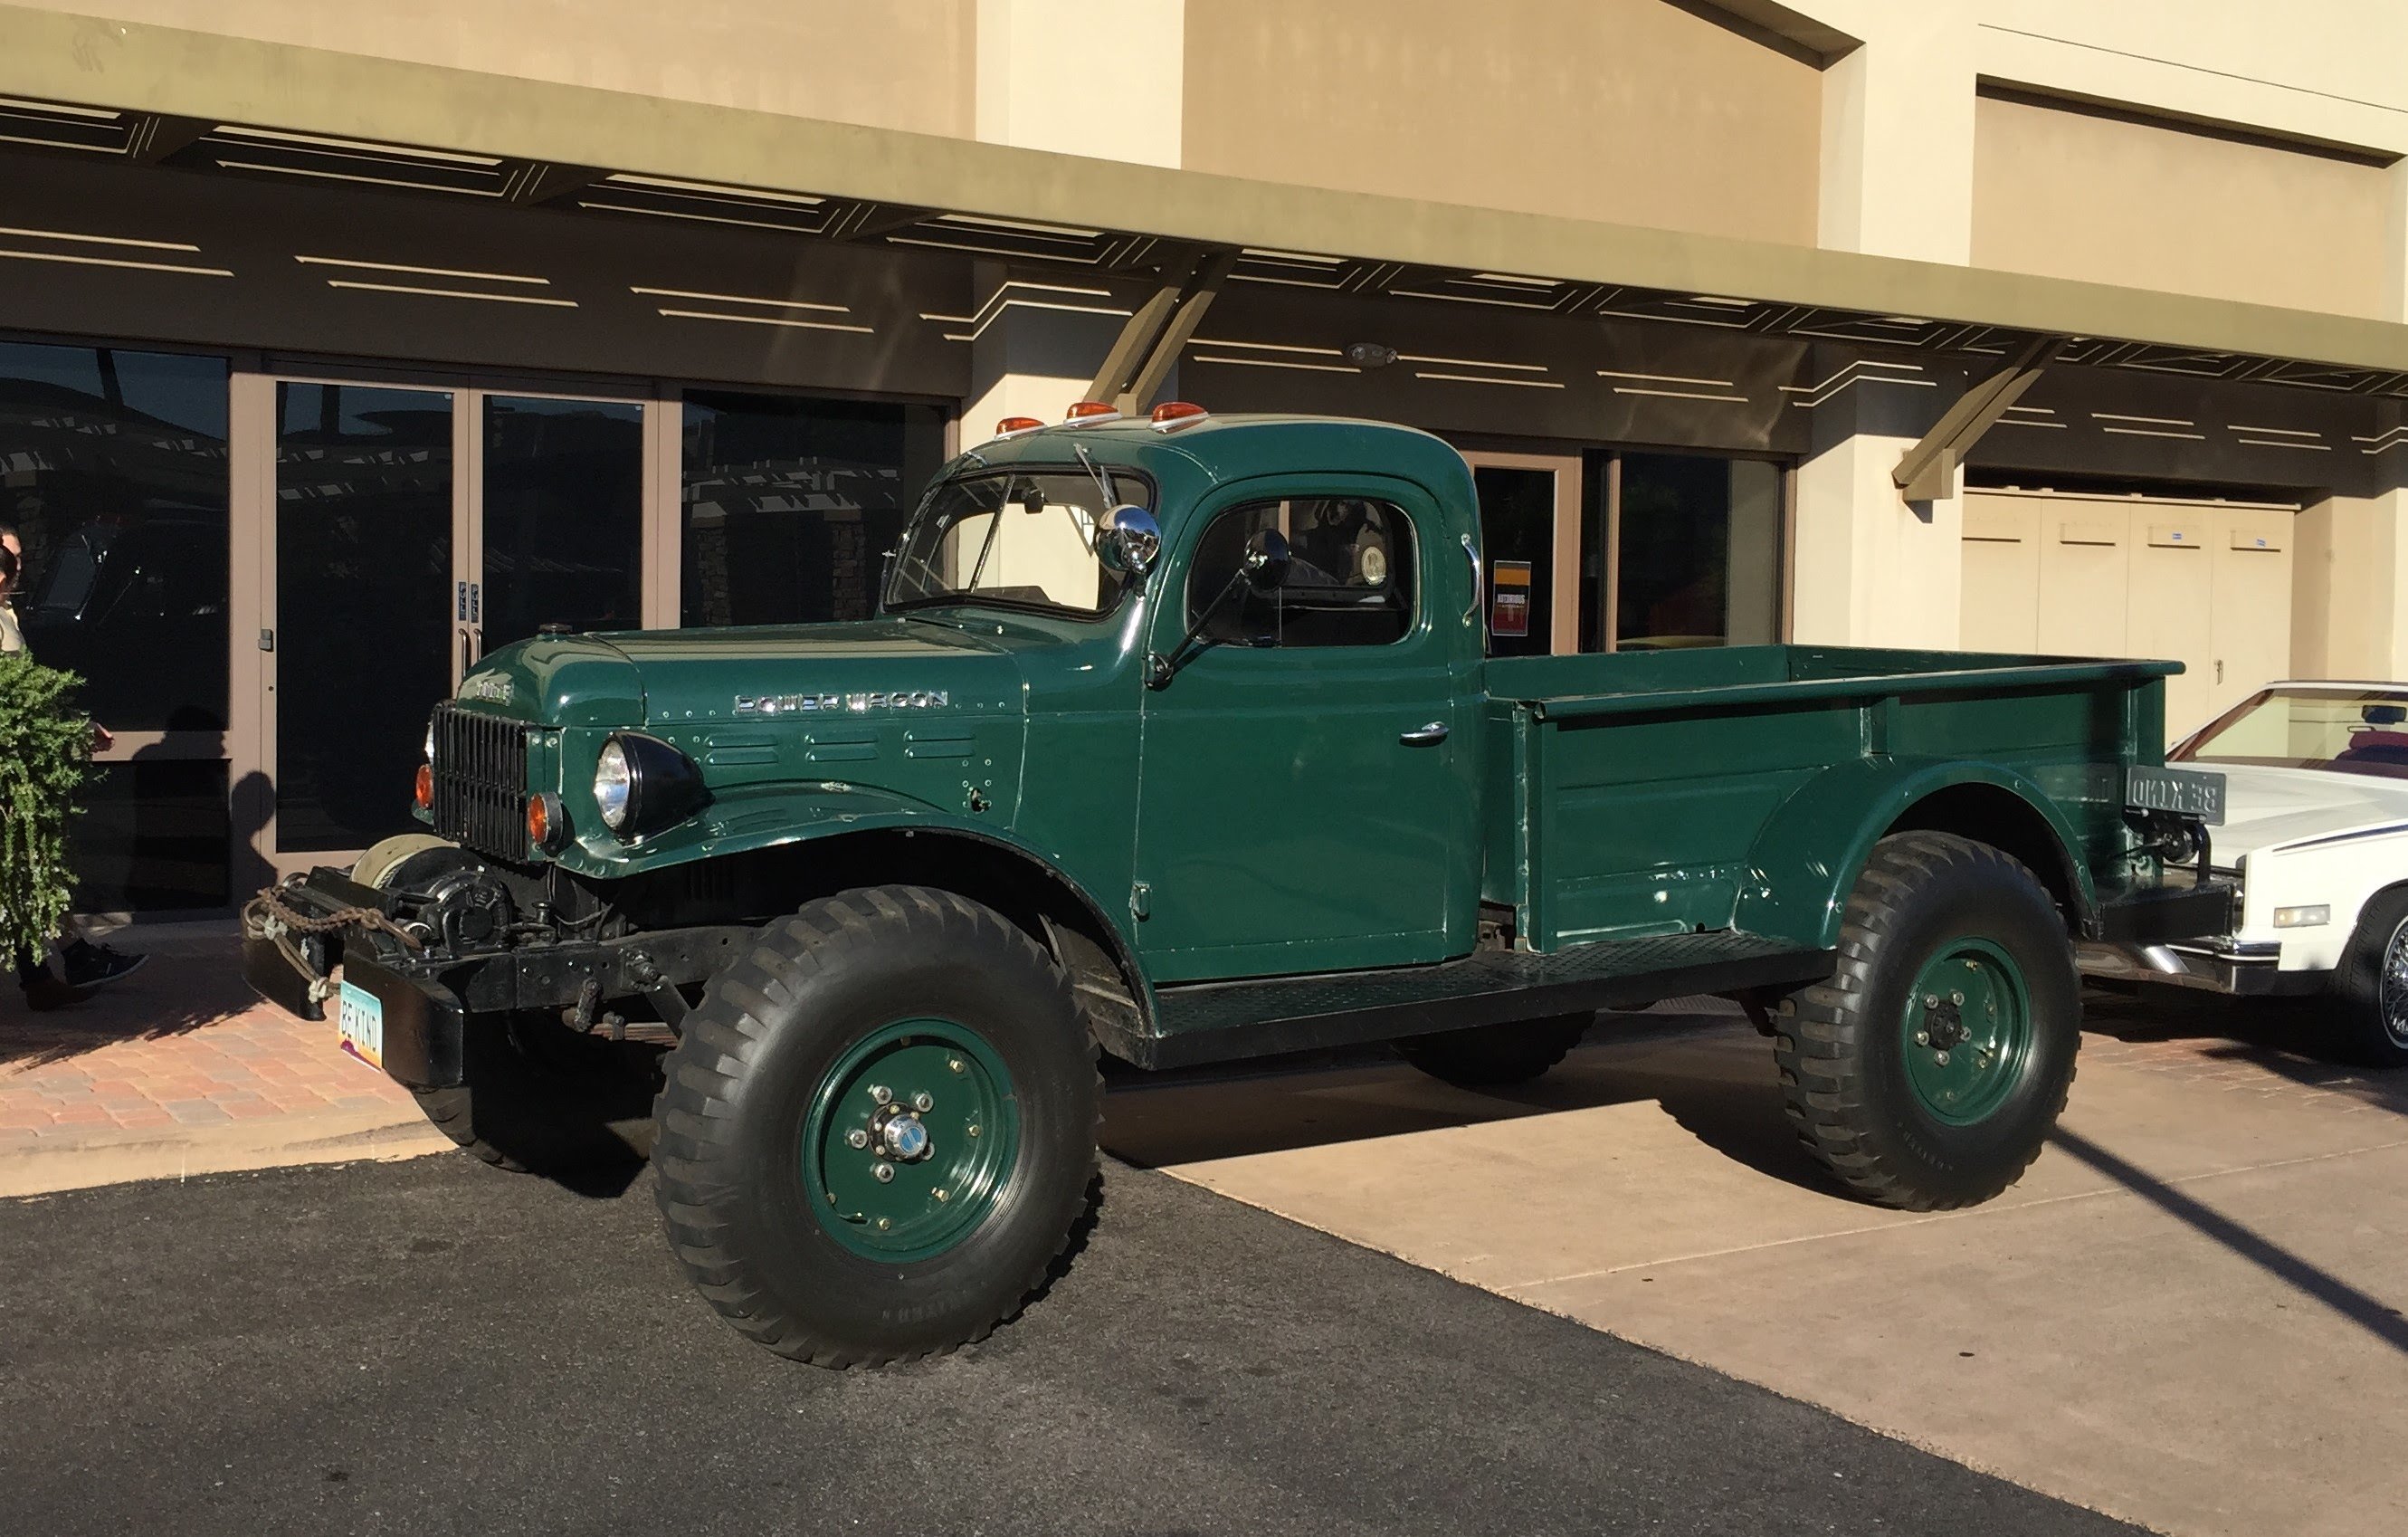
<point>2350,731</point>
<point>1022,539</point>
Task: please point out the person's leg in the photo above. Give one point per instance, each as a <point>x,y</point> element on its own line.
<point>89,964</point>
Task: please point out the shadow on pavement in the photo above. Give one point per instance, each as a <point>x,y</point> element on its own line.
<point>2290,1038</point>
<point>182,989</point>
<point>2377,1316</point>
<point>1709,1071</point>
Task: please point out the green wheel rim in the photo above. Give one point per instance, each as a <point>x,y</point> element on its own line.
<point>1967,1031</point>
<point>935,1080</point>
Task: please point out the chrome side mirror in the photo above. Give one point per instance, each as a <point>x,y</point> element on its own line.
<point>1128,540</point>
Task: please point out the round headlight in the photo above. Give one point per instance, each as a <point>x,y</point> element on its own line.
<point>430,739</point>
<point>613,784</point>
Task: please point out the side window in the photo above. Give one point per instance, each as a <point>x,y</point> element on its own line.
<point>1350,578</point>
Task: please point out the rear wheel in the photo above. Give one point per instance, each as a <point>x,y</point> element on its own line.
<point>878,1130</point>
<point>1927,1071</point>
<point>1495,1056</point>
<point>2371,986</point>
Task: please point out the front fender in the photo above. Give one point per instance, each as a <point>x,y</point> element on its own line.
<point>1806,861</point>
<point>761,816</point>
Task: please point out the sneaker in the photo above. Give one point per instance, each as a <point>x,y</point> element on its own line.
<point>47,992</point>
<point>91,965</point>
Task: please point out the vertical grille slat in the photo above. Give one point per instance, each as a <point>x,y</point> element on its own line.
<point>480,775</point>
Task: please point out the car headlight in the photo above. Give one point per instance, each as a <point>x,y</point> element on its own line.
<point>642,784</point>
<point>614,785</point>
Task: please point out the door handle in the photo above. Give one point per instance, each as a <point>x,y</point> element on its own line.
<point>1426,736</point>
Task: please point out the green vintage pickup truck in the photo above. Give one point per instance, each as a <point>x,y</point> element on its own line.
<point>1176,740</point>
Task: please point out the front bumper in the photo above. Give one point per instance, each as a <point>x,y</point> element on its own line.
<point>428,995</point>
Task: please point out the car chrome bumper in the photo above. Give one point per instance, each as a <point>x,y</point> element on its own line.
<point>2242,967</point>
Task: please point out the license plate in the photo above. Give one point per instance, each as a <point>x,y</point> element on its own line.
<point>359,1025</point>
<point>2187,792</point>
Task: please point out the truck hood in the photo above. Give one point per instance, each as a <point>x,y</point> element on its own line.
<point>2268,806</point>
<point>672,678</point>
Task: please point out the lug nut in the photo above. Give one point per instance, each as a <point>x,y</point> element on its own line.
<point>1931,1000</point>
<point>973,1131</point>
<point>1956,998</point>
<point>885,1223</point>
<point>956,1064</point>
<point>882,1172</point>
<point>856,1138</point>
<point>1941,1058</point>
<point>943,1196</point>
<point>880,1093</point>
<point>1922,1038</point>
<point>922,1101</point>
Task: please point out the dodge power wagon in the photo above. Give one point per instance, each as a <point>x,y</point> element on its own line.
<point>1175,739</point>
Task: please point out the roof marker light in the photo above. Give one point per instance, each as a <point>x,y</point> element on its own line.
<point>1011,424</point>
<point>1090,409</point>
<point>1174,413</point>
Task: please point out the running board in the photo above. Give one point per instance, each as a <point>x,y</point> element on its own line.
<point>1220,1021</point>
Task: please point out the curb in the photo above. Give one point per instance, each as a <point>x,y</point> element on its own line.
<point>383,1133</point>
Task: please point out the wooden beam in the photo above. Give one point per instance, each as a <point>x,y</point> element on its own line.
<point>1928,471</point>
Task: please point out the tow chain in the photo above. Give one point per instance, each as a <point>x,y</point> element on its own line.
<point>276,919</point>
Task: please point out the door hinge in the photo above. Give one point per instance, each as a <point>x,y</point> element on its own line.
<point>1140,895</point>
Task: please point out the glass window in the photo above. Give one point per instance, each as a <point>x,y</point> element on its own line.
<point>1699,557</point>
<point>2346,730</point>
<point>1023,538</point>
<point>113,469</point>
<point>1517,537</point>
<point>365,605</point>
<point>152,836</point>
<point>792,503</point>
<point>564,515</point>
<point>1350,577</point>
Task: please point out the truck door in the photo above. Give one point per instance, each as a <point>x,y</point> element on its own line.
<point>1306,795</point>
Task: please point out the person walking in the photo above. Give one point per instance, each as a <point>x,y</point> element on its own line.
<point>89,965</point>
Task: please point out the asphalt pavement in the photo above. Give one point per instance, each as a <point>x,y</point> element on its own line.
<point>434,1346</point>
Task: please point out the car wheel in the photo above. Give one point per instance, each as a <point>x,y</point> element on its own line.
<point>2371,986</point>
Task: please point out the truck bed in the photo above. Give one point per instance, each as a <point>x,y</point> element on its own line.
<point>1654,793</point>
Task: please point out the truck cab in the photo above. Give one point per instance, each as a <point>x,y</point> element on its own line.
<point>1176,736</point>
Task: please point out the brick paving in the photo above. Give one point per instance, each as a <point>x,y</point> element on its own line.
<point>181,1043</point>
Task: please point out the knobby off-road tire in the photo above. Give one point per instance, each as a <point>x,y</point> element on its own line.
<point>2369,989</point>
<point>1952,941</point>
<point>791,1090</point>
<point>1495,1056</point>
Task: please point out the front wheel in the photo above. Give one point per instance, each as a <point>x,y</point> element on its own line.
<point>878,1131</point>
<point>2371,986</point>
<point>1929,1070</point>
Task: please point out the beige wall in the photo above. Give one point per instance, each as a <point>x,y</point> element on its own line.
<point>1628,110</point>
<point>2070,193</point>
<point>902,64</point>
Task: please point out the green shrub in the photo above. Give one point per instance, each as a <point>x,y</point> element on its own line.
<point>45,748</point>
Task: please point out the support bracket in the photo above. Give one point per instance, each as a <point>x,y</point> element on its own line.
<point>1928,471</point>
<point>1149,344</point>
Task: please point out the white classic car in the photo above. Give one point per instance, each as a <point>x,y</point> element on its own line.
<point>2316,831</point>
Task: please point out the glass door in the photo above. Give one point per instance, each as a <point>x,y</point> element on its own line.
<point>1529,531</point>
<point>368,597</point>
<point>413,526</point>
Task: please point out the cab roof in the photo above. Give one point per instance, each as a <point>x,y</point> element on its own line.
<point>1232,448</point>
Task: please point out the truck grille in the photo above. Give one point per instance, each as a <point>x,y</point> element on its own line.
<point>480,777</point>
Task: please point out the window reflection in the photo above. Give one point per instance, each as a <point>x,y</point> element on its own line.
<point>792,503</point>
<point>1700,552</point>
<point>113,469</point>
<point>564,516</point>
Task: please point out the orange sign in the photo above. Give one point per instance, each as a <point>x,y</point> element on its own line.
<point>1508,597</point>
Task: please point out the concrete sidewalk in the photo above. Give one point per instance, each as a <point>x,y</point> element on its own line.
<point>2187,1314</point>
<point>178,1070</point>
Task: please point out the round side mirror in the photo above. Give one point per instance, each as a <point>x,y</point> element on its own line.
<point>1266,559</point>
<point>1128,540</point>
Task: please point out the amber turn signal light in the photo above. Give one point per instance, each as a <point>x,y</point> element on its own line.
<point>1011,424</point>
<point>424,791</point>
<point>1087,408</point>
<point>547,823</point>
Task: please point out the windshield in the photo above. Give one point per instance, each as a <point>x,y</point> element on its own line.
<point>1021,538</point>
<point>2350,731</point>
